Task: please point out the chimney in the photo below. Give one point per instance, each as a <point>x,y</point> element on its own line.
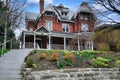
<point>41,5</point>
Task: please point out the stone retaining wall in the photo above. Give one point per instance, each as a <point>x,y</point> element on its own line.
<point>74,74</point>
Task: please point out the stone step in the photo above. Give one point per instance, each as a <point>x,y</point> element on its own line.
<point>4,72</point>
<point>10,64</point>
<point>10,79</point>
<point>10,76</point>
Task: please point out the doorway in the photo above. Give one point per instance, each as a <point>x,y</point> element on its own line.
<point>39,43</point>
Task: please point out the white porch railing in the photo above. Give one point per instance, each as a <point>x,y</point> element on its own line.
<point>29,45</point>
<point>59,46</point>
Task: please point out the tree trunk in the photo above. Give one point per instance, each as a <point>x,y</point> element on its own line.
<point>5,35</point>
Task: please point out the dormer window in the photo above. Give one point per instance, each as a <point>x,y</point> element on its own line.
<point>64,14</point>
<point>84,16</point>
<point>49,13</point>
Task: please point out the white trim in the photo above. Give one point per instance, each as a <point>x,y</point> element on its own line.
<point>24,40</point>
<point>50,6</point>
<point>41,27</point>
<point>64,43</point>
<point>78,45</point>
<point>65,26</point>
<point>49,25</point>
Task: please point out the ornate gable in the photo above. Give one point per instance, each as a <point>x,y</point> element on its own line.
<point>42,29</point>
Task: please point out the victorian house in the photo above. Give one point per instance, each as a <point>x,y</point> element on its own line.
<point>57,27</point>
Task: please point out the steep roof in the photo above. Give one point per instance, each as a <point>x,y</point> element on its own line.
<point>63,12</point>
<point>105,26</point>
<point>31,15</point>
<point>84,7</point>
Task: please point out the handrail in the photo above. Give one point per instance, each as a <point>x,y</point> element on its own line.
<point>1,44</point>
<point>6,42</point>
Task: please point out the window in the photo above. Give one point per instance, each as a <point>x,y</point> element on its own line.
<point>84,16</point>
<point>84,27</point>
<point>49,13</point>
<point>49,25</point>
<point>65,27</point>
<point>31,29</point>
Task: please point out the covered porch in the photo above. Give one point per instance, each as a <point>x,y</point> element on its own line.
<point>58,41</point>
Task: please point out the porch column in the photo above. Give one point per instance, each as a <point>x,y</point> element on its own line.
<point>92,46</point>
<point>34,41</point>
<point>64,43</point>
<point>78,45</point>
<point>49,43</point>
<point>24,40</point>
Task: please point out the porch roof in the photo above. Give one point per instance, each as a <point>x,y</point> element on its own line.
<point>82,35</point>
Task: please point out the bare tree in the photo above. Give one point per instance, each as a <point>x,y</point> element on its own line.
<point>13,16</point>
<point>111,7</point>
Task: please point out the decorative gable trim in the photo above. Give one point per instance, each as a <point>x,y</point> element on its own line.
<point>42,29</point>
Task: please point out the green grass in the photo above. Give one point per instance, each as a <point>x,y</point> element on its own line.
<point>3,51</point>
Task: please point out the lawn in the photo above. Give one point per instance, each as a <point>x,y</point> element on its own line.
<point>3,51</point>
<point>58,59</point>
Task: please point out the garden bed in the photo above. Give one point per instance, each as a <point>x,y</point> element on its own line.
<point>57,59</point>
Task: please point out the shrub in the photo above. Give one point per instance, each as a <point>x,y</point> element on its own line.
<point>29,62</point>
<point>117,63</point>
<point>70,56</point>
<point>43,55</point>
<point>60,64</point>
<point>100,62</point>
<point>110,38</point>
<point>53,56</point>
<point>33,52</point>
<point>87,54</point>
<point>103,47</point>
<point>34,66</point>
<point>65,62</point>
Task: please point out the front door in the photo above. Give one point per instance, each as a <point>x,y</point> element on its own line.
<point>39,44</point>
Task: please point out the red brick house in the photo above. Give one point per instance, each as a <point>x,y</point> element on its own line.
<point>57,27</point>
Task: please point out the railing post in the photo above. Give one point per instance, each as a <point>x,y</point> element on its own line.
<point>64,43</point>
<point>24,40</point>
<point>78,45</point>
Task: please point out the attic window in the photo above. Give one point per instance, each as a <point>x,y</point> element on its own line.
<point>64,14</point>
<point>49,13</point>
<point>84,16</point>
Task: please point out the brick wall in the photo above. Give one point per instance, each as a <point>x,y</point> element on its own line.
<point>57,25</point>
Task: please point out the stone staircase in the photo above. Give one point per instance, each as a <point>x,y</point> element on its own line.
<point>10,64</point>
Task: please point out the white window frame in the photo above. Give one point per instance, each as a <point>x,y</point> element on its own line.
<point>84,17</point>
<point>66,27</point>
<point>49,25</point>
<point>84,27</point>
<point>31,29</point>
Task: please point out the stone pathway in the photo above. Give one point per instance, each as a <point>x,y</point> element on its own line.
<point>10,64</point>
